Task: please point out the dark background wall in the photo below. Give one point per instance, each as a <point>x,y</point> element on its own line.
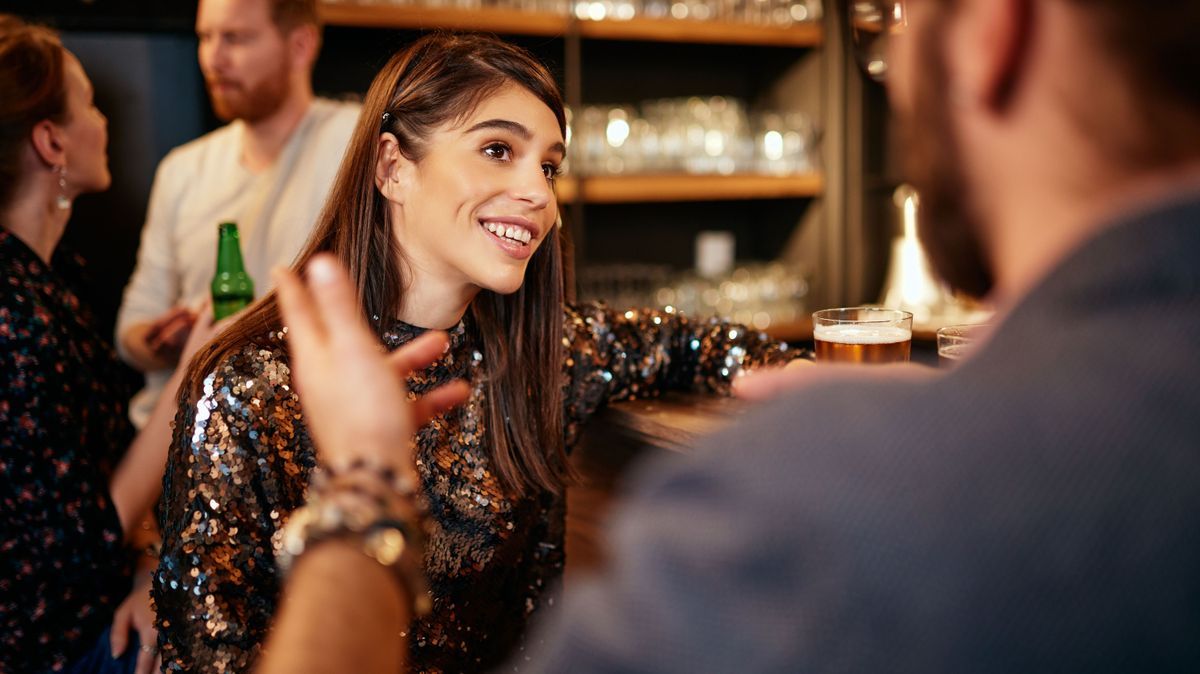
<point>150,88</point>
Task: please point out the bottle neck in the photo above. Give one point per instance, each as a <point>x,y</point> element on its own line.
<point>229,252</point>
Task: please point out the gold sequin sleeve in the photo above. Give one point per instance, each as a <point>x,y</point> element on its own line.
<point>618,355</point>
<point>233,474</point>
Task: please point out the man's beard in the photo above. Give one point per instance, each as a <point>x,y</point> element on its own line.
<point>949,229</point>
<point>255,103</point>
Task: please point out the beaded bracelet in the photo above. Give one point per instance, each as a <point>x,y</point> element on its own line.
<point>376,508</point>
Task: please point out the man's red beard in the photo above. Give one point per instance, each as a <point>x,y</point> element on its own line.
<point>236,101</point>
<point>949,228</point>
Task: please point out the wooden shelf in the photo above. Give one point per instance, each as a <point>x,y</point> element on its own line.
<point>520,22</point>
<point>489,19</point>
<point>807,34</point>
<point>663,188</point>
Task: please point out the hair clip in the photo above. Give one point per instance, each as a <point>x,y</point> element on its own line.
<point>386,119</point>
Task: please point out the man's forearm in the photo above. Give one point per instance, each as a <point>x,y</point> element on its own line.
<point>341,612</point>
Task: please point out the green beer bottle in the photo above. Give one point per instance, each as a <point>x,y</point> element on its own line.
<point>232,287</point>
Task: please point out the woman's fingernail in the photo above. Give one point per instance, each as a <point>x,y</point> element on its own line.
<point>321,270</point>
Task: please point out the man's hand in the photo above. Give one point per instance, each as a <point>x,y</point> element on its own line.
<point>169,332</point>
<point>767,383</point>
<point>204,330</point>
<point>764,385</point>
<point>353,395</point>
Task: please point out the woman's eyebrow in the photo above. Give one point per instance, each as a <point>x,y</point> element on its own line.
<point>504,124</point>
<point>516,128</point>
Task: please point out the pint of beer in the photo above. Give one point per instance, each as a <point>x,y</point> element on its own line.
<point>862,335</point>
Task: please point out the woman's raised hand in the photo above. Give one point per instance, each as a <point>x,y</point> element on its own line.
<point>353,394</point>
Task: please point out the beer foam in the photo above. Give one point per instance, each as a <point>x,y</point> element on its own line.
<point>861,334</point>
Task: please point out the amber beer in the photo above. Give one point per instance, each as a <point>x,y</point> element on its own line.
<point>862,335</point>
<point>848,344</point>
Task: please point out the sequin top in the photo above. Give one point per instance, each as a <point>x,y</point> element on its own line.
<point>63,569</point>
<point>241,462</point>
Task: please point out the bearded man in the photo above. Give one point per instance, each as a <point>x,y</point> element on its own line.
<point>269,170</point>
<point>1035,509</point>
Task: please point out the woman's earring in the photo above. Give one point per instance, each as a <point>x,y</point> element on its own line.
<point>61,201</point>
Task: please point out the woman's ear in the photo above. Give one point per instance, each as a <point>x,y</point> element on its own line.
<point>49,143</point>
<point>393,172</point>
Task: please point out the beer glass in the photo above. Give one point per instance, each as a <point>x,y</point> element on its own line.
<point>955,341</point>
<point>862,335</point>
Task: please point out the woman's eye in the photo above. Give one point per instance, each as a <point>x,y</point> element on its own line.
<point>497,151</point>
<point>550,171</point>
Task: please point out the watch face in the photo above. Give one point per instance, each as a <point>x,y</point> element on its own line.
<point>386,545</point>
<point>393,539</point>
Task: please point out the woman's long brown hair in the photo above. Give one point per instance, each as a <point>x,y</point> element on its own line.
<point>442,78</point>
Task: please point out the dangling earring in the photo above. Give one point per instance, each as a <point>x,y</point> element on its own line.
<point>61,201</point>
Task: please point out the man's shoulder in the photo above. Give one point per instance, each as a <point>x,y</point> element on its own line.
<point>335,107</point>
<point>334,117</point>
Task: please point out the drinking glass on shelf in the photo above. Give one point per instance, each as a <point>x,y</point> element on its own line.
<point>559,7</point>
<point>784,143</point>
<point>701,10</point>
<point>781,13</point>
<point>955,342</point>
<point>589,139</point>
<point>862,335</point>
<point>700,135</point>
<point>620,152</point>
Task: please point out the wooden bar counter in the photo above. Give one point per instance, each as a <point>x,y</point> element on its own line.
<point>614,442</point>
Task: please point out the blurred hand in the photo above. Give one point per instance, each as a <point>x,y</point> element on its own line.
<point>354,397</point>
<point>203,330</point>
<point>169,332</point>
<point>764,385</point>
<point>135,614</point>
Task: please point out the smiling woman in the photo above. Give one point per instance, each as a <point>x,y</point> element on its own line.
<point>483,185</point>
<point>445,215</point>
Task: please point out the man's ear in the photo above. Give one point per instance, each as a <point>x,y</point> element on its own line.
<point>49,143</point>
<point>303,43</point>
<point>393,171</point>
<point>992,50</point>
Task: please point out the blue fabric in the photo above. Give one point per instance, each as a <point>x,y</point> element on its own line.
<point>99,659</point>
<point>1035,509</point>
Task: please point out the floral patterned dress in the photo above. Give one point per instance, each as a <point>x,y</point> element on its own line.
<point>63,426</point>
